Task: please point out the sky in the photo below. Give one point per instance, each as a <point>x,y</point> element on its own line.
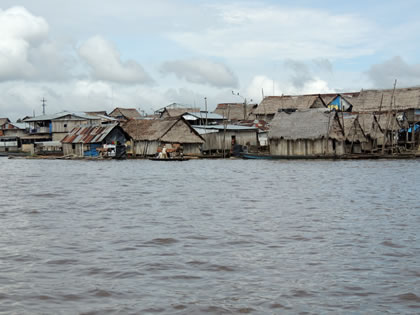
<point>101,54</point>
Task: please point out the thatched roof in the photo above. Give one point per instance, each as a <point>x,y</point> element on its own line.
<point>176,112</point>
<point>4,121</point>
<point>370,125</point>
<point>171,130</point>
<point>98,113</point>
<point>310,124</point>
<point>387,122</point>
<point>127,113</point>
<point>348,96</point>
<point>370,100</point>
<point>272,104</point>
<point>352,129</point>
<point>235,110</point>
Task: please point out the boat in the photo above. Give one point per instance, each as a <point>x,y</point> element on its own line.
<point>169,159</point>
<point>259,156</point>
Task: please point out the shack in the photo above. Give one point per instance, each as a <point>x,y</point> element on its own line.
<point>372,132</point>
<point>91,141</point>
<point>270,105</point>
<point>147,135</point>
<point>203,118</point>
<point>235,111</point>
<point>221,138</point>
<point>175,110</point>
<point>310,133</point>
<point>56,126</point>
<point>10,144</point>
<point>125,114</point>
<point>354,135</point>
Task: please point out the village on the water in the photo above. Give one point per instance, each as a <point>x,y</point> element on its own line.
<point>364,124</point>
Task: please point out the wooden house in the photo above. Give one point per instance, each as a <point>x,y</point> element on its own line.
<point>235,111</point>
<point>176,110</point>
<point>56,126</point>
<point>220,138</point>
<point>271,105</point>
<point>308,133</point>
<point>203,118</point>
<point>380,100</point>
<point>125,114</point>
<point>3,121</point>
<point>90,141</point>
<point>372,132</point>
<point>353,132</point>
<point>147,135</point>
<point>10,136</point>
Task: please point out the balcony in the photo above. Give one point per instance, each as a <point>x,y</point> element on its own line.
<point>40,130</point>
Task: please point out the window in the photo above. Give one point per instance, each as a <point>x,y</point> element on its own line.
<point>73,146</point>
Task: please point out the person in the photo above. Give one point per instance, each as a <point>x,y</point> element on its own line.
<point>164,154</point>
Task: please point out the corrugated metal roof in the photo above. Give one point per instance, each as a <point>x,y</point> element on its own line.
<point>200,115</point>
<point>88,134</point>
<point>228,127</point>
<point>77,116</point>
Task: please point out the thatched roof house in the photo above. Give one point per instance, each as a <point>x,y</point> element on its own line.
<point>147,135</point>
<point>371,129</point>
<point>387,122</point>
<point>4,121</point>
<point>371,100</point>
<point>236,111</point>
<point>125,113</point>
<point>270,105</point>
<point>98,113</point>
<point>306,133</point>
<point>176,112</point>
<point>353,133</point>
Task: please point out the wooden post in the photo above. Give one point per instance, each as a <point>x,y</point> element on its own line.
<point>388,119</point>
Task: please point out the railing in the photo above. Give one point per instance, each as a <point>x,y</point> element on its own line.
<point>40,130</point>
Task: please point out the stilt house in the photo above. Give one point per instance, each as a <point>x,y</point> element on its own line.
<point>270,105</point>
<point>89,141</point>
<point>308,133</point>
<point>147,135</point>
<point>354,135</point>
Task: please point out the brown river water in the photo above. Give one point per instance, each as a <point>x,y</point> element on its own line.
<point>209,237</point>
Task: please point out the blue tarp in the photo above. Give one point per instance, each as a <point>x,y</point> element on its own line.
<point>93,151</point>
<point>416,127</point>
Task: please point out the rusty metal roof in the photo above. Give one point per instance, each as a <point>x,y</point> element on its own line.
<point>88,134</point>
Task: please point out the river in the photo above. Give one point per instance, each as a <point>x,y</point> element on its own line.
<point>209,236</point>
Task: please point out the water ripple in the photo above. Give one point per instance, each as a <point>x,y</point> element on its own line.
<point>212,236</point>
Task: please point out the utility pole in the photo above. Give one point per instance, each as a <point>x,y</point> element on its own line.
<point>244,103</point>
<point>205,107</point>
<point>43,105</point>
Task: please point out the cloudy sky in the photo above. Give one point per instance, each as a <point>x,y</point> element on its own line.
<point>99,54</point>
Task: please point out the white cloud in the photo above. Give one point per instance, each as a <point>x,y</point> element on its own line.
<point>278,32</point>
<point>19,32</point>
<point>105,62</point>
<point>185,96</point>
<point>201,71</point>
<point>262,83</point>
<point>384,74</point>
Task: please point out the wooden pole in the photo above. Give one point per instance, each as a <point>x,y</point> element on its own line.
<point>224,132</point>
<point>388,119</point>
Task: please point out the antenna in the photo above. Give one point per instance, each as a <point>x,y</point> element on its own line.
<point>43,105</point>
<point>205,104</point>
